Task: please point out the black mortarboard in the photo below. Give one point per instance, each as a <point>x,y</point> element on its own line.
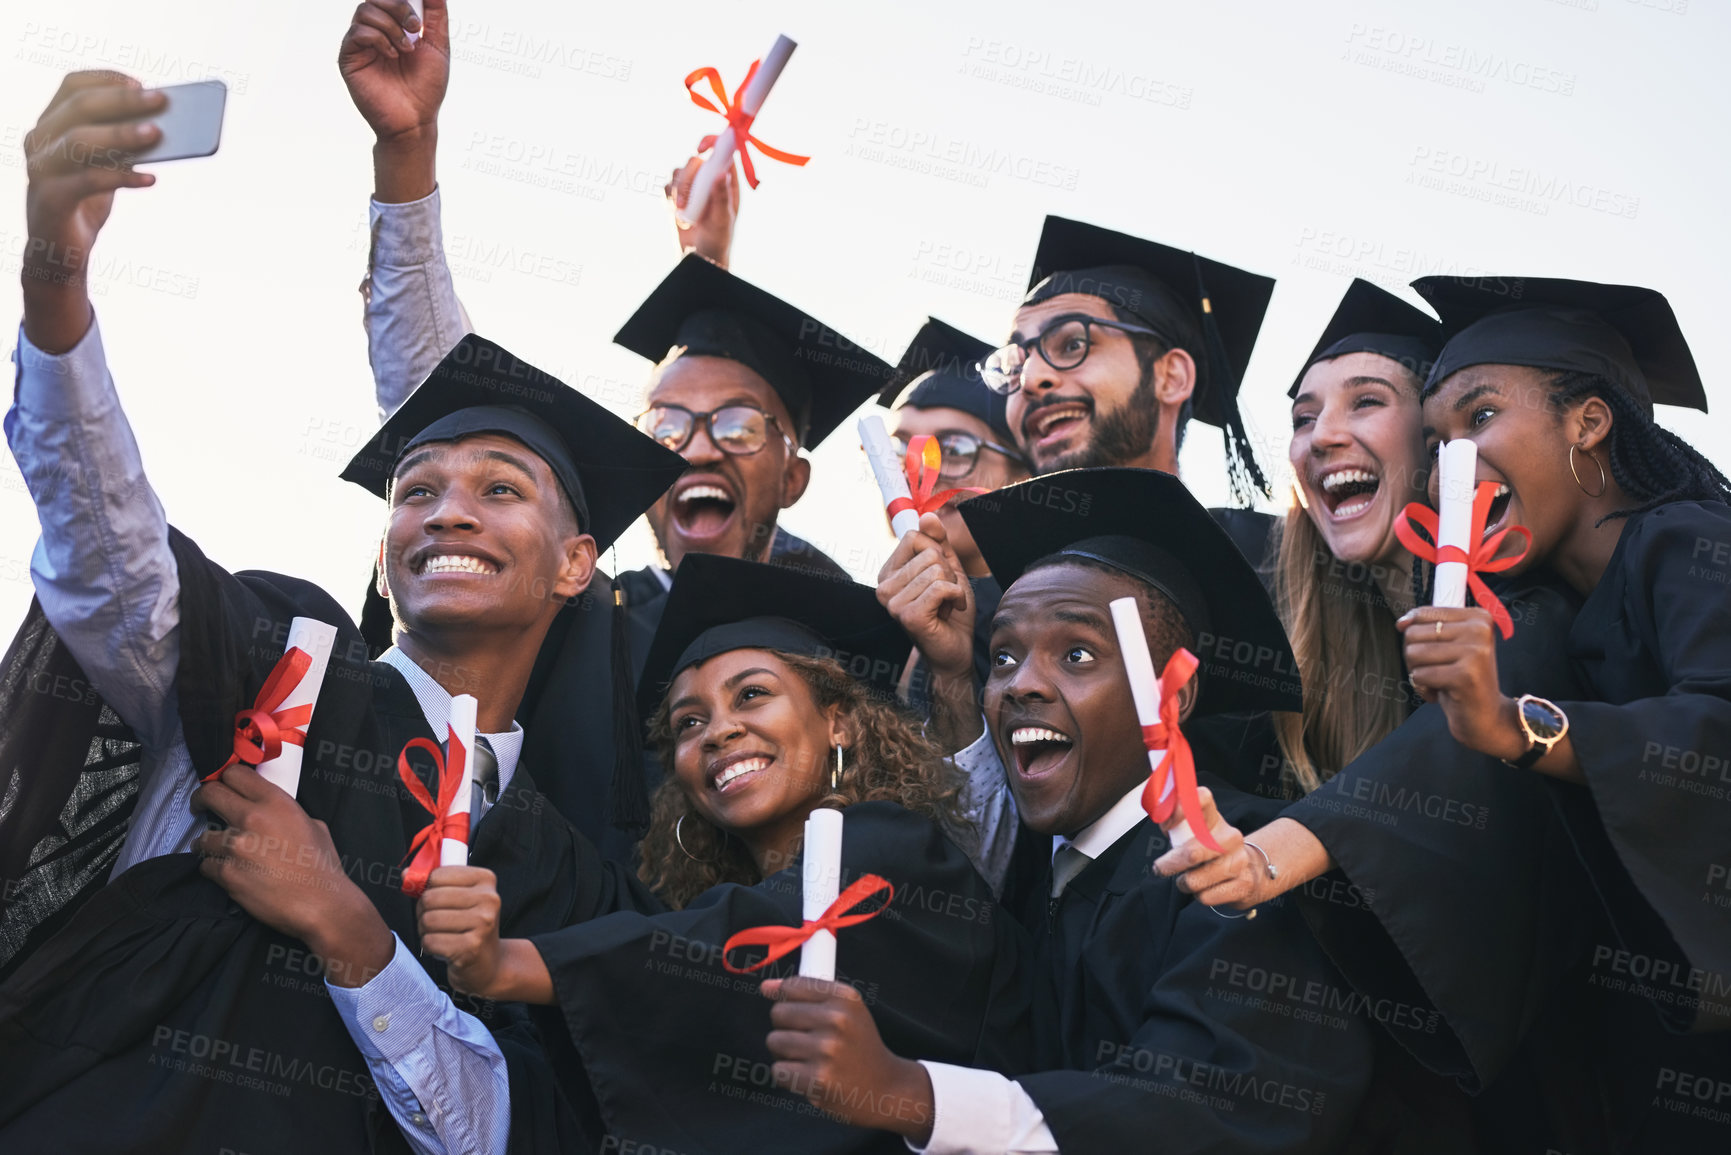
<point>703,310</point>
<point>1623,333</point>
<point>940,370</point>
<point>1374,320</point>
<point>723,603</point>
<point>1210,310</point>
<point>610,471</point>
<point>1144,523</point>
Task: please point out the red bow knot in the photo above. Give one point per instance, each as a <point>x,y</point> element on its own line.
<point>920,466</point>
<point>261,731</point>
<point>423,852</point>
<point>739,119</point>
<point>1174,783</point>
<point>1483,557</point>
<point>784,940</point>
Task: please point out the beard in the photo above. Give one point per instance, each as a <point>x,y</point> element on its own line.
<point>1120,435</point>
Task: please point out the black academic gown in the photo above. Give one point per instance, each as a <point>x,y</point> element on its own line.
<point>1171,1028</point>
<point>673,1045</point>
<point>1653,826</point>
<point>150,1013</point>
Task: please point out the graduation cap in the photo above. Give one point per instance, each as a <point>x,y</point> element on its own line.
<point>702,310</point>
<point>1374,320</point>
<point>721,603</point>
<point>1144,523</point>
<point>940,370</point>
<point>1623,333</point>
<point>609,470</point>
<point>1210,310</point>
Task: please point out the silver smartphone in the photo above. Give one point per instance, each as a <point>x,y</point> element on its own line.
<point>191,124</point>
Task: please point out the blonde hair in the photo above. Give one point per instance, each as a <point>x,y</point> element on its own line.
<point>1348,650</point>
<point>890,761</point>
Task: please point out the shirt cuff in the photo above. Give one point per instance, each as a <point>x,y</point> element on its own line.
<point>65,387</point>
<point>391,1014</point>
<point>971,1111</point>
<point>408,234</point>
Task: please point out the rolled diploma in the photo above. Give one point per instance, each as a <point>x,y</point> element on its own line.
<point>316,638</point>
<point>892,482</point>
<point>820,884</point>
<point>1139,667</point>
<point>721,156</point>
<point>454,851</point>
<point>1457,465</point>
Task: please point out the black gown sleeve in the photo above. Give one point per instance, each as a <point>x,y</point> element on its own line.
<point>1247,1042</point>
<point>673,1044</point>
<point>1656,747</point>
<point>1457,887</point>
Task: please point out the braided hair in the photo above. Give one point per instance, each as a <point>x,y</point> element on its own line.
<point>1649,462</point>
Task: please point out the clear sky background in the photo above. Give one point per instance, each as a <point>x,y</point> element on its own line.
<point>1310,142</point>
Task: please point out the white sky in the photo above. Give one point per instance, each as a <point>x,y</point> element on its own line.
<point>1310,142</point>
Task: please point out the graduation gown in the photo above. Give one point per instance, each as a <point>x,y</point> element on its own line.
<point>1170,1027</point>
<point>673,1045</point>
<point>151,1012</point>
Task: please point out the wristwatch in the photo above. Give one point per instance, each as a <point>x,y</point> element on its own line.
<point>1543,724</point>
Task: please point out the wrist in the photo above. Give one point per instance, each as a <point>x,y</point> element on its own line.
<point>405,164</point>
<point>1512,742</point>
<point>912,1116</point>
<point>57,311</point>
<point>353,942</point>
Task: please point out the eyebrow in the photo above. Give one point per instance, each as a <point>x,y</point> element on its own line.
<point>1081,618</point>
<point>1474,394</point>
<point>744,674</point>
<point>426,455</point>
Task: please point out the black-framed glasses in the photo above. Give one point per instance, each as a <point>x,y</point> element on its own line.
<point>958,452</point>
<point>1063,344</point>
<point>738,429</point>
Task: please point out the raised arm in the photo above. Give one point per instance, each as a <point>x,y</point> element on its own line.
<point>412,314</point>
<point>102,568</point>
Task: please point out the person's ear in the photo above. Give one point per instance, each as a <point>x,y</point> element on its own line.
<point>841,727</point>
<point>578,569</point>
<point>1591,424</point>
<point>1187,695</point>
<point>1174,377</point>
<point>384,587</point>
<point>794,478</point>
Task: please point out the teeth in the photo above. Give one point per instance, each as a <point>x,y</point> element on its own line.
<point>1028,735</point>
<point>1502,491</point>
<point>738,769</point>
<point>705,493</point>
<point>1334,481</point>
<point>1352,509</point>
<point>1043,425</point>
<point>458,563</point>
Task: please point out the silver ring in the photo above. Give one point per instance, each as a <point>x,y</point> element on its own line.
<point>1439,631</point>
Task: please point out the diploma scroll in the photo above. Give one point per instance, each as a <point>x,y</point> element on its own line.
<point>1457,465</point>
<point>1139,666</point>
<point>820,886</point>
<point>455,851</point>
<point>720,157</point>
<point>315,639</point>
<point>887,468</point>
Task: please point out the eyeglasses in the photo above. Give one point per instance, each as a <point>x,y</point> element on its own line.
<point>737,429</point>
<point>958,452</point>
<point>1063,344</point>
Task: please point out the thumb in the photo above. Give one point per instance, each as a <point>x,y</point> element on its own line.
<point>436,25</point>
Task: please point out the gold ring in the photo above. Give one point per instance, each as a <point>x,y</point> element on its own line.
<point>1439,631</point>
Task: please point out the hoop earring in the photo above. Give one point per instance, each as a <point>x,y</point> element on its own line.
<point>835,775</point>
<point>1604,482</point>
<point>679,837</point>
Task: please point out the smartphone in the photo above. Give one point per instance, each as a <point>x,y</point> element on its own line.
<point>191,124</point>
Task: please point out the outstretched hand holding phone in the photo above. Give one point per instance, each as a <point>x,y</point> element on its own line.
<point>80,151</point>
<point>398,84</point>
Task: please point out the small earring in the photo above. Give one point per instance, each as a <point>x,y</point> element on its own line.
<point>679,837</point>
<point>835,775</point>
<point>1604,482</point>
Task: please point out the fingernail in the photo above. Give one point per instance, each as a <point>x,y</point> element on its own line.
<point>414,23</point>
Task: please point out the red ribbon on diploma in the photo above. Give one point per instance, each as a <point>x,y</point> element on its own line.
<point>1483,558</point>
<point>783,940</point>
<point>259,733</point>
<point>920,466</point>
<point>738,118</point>
<point>424,847</point>
<point>1179,765</point>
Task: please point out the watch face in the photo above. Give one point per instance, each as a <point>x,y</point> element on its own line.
<point>1546,722</point>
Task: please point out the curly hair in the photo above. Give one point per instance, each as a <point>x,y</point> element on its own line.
<point>891,761</point>
<point>1649,462</point>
